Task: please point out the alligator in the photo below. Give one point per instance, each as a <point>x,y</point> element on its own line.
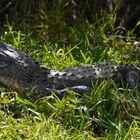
<point>22,73</point>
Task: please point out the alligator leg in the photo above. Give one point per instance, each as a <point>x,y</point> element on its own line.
<point>132,79</point>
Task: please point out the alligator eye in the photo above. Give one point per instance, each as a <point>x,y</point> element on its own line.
<point>4,60</point>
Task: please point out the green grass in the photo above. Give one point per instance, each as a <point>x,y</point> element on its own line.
<point>107,113</point>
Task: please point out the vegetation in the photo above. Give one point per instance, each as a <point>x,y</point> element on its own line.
<point>107,113</point>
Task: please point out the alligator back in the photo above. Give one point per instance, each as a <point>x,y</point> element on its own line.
<point>88,75</point>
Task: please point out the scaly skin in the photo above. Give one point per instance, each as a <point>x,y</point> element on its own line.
<point>22,73</point>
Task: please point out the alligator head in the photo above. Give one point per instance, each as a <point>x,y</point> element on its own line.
<point>17,70</point>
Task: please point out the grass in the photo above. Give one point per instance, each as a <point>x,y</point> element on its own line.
<point>107,113</point>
